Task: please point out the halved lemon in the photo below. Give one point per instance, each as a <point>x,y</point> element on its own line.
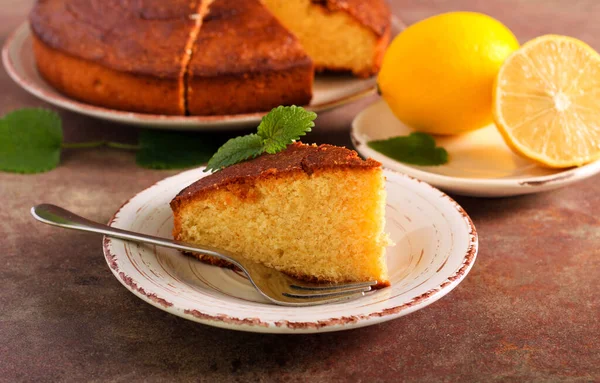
<point>547,101</point>
<point>437,75</point>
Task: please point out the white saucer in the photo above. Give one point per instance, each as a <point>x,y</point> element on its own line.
<point>436,245</point>
<point>480,163</point>
<point>329,91</point>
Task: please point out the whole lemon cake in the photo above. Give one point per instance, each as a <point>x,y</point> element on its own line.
<point>312,212</point>
<point>202,57</point>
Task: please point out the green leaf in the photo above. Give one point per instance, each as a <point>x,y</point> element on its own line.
<point>284,125</point>
<point>416,148</point>
<point>174,150</point>
<point>236,150</point>
<point>279,128</point>
<point>30,141</point>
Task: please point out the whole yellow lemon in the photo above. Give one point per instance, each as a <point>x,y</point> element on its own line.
<point>437,76</point>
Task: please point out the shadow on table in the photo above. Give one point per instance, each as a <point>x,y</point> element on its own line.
<point>117,336</point>
<point>494,208</point>
<point>189,349</point>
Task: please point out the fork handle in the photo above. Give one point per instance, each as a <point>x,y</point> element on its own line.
<point>57,216</point>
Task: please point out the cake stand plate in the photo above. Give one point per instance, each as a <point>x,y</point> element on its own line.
<point>330,91</point>
<point>435,247</point>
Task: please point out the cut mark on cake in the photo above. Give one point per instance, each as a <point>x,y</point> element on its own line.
<point>188,53</point>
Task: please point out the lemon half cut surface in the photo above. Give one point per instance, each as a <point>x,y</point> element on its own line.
<point>547,101</point>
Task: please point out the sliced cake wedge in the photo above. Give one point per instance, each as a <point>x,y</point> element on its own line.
<point>313,212</point>
<point>245,61</point>
<point>339,35</point>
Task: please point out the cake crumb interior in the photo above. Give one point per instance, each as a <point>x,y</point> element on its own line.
<point>333,39</point>
<point>328,225</point>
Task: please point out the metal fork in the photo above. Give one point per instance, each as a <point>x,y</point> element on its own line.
<point>277,287</point>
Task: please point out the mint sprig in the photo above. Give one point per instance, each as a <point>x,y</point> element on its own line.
<point>236,150</point>
<point>30,141</point>
<point>283,125</point>
<point>417,148</point>
<point>279,128</point>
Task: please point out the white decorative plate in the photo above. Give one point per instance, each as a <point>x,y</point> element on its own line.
<point>330,91</point>
<point>436,245</point>
<point>480,165</point>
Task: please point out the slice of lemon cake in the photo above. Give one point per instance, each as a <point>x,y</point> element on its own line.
<point>313,212</point>
<point>339,35</point>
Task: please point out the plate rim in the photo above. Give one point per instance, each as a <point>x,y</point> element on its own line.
<point>511,186</point>
<point>331,324</point>
<point>207,123</point>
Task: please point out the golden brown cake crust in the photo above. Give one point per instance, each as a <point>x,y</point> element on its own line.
<point>125,55</point>
<point>374,14</point>
<point>98,85</point>
<point>252,92</point>
<point>119,50</point>
<point>244,61</point>
<point>144,38</point>
<point>297,157</point>
<point>242,36</point>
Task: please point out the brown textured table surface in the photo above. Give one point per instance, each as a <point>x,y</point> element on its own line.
<point>529,309</point>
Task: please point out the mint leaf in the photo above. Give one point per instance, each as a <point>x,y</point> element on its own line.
<point>30,141</point>
<point>174,150</point>
<point>236,150</point>
<point>283,125</point>
<point>417,149</point>
<point>279,128</point>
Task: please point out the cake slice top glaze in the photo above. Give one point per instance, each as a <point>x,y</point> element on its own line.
<point>242,37</point>
<point>139,37</point>
<point>296,158</point>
